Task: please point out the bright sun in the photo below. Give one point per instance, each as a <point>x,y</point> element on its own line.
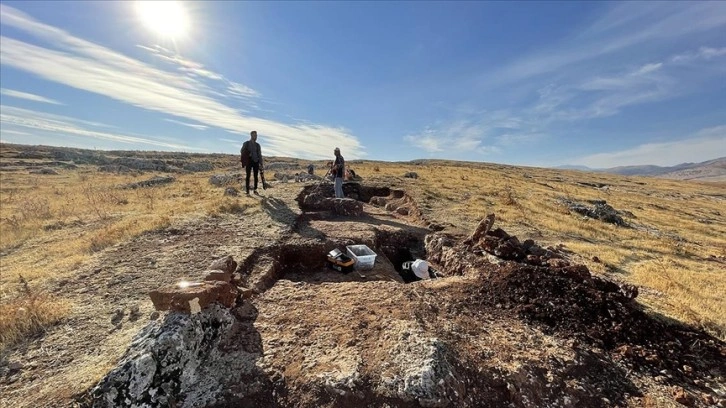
<point>166,18</point>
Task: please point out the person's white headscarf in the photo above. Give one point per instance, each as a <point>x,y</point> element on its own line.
<point>420,268</point>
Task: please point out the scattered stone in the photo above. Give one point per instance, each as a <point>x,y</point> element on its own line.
<point>197,167</point>
<point>134,313</point>
<point>220,180</point>
<point>629,291</point>
<point>15,366</point>
<point>226,264</point>
<point>190,295</point>
<point>218,276</point>
<point>245,293</point>
<point>154,181</point>
<point>231,191</point>
<point>682,397</point>
<point>118,315</point>
<point>411,174</point>
<point>154,315</point>
<point>481,230</point>
<point>115,168</point>
<point>143,164</point>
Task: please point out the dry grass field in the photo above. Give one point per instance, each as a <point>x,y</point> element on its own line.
<point>674,248</point>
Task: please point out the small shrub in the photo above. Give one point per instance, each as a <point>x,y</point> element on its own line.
<point>35,208</point>
<point>232,208</point>
<point>29,314</point>
<point>507,195</point>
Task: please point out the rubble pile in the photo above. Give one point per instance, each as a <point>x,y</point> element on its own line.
<point>541,287</point>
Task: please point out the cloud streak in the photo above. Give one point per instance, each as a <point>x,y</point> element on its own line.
<point>454,137</point>
<point>87,66</point>
<point>191,125</point>
<point>28,96</point>
<point>624,26</point>
<point>59,125</point>
<point>702,145</point>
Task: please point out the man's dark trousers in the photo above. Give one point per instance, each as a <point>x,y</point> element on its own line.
<point>248,169</point>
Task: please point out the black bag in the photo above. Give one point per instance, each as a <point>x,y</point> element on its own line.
<point>244,155</point>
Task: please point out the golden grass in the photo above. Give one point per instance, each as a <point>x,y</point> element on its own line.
<point>28,314</point>
<point>50,225</point>
<point>681,225</point>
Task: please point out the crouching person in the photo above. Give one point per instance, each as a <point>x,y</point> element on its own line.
<point>417,270</point>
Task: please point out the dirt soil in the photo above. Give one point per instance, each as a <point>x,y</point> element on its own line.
<point>518,335</point>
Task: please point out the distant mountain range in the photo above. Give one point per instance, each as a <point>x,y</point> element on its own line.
<point>711,170</point>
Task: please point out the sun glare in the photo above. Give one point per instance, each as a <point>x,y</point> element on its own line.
<point>168,19</point>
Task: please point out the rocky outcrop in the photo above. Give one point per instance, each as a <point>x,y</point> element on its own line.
<point>224,179</point>
<point>599,210</point>
<point>419,368</point>
<point>174,362</point>
<point>115,168</point>
<point>154,181</point>
<point>199,166</point>
<point>143,164</point>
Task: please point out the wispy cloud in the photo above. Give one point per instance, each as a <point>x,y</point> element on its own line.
<point>191,125</point>
<point>624,26</point>
<point>28,96</point>
<point>703,53</point>
<point>702,145</point>
<point>14,132</point>
<point>87,66</point>
<point>59,125</point>
<point>453,137</point>
<point>242,90</point>
<point>197,70</point>
<point>426,141</point>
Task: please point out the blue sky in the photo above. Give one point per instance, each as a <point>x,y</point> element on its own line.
<point>528,83</point>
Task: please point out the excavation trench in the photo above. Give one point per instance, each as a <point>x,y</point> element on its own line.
<point>300,256</point>
<point>292,343</point>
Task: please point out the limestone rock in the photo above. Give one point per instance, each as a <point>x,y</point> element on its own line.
<point>226,264</point>
<point>196,295</point>
<point>221,276</point>
<point>164,361</point>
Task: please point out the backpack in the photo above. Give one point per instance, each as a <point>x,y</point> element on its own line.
<point>244,155</point>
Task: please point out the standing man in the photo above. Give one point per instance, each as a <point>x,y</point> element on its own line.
<point>338,172</point>
<point>251,159</point>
